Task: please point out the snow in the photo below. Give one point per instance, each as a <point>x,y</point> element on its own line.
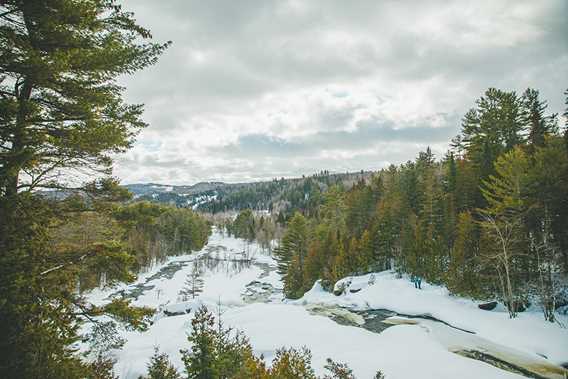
<point>528,332</point>
<point>400,352</point>
<point>413,348</point>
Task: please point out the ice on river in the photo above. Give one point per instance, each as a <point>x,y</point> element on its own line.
<point>402,351</point>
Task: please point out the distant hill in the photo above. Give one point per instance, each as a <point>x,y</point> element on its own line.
<point>280,195</point>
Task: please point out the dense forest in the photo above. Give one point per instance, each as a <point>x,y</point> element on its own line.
<point>281,196</point>
<point>488,219</point>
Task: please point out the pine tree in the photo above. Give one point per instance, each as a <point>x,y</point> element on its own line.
<point>333,210</point>
<point>193,285</point>
<point>493,127</point>
<point>460,273</point>
<point>313,264</point>
<point>160,367</point>
<point>199,361</point>
<point>538,124</point>
<point>294,279</point>
<point>292,363</point>
<point>338,370</point>
<point>294,243</point>
<point>60,110</point>
<point>65,110</point>
<point>342,264</point>
<point>365,256</point>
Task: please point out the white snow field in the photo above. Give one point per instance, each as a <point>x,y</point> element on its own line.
<point>415,347</point>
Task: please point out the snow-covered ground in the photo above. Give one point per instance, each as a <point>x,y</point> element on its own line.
<point>413,348</point>
<point>527,332</point>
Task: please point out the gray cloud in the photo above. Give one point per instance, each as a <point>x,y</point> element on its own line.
<point>253,89</point>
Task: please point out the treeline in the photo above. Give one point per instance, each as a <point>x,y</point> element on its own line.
<point>280,196</point>
<point>249,225</point>
<point>488,220</point>
<point>147,232</point>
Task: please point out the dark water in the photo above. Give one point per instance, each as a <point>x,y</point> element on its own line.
<point>374,319</point>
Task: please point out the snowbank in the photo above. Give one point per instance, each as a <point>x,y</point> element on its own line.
<point>528,332</point>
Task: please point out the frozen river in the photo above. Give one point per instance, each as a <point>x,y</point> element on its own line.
<point>241,279</point>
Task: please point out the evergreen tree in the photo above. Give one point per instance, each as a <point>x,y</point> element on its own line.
<point>333,210</point>
<point>294,243</point>
<point>193,284</point>
<point>338,370</point>
<point>199,361</point>
<point>493,127</point>
<point>160,367</point>
<point>365,256</point>
<point>62,106</point>
<point>292,363</point>
<point>313,265</point>
<point>461,277</point>
<point>505,193</point>
<point>538,124</point>
<point>294,279</point>
<point>60,110</point>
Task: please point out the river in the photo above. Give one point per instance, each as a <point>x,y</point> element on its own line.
<point>241,284</point>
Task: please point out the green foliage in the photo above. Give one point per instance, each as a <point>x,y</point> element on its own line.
<point>63,106</point>
<point>101,368</point>
<point>200,361</point>
<point>244,225</point>
<point>292,363</point>
<point>136,318</point>
<point>291,254</point>
<point>338,370</point>
<point>219,352</point>
<point>61,110</point>
<point>160,367</point>
<point>488,220</point>
<point>154,231</point>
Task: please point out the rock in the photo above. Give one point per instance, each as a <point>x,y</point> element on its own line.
<point>341,286</point>
<point>338,290</point>
<point>170,314</point>
<point>354,290</point>
<point>488,306</point>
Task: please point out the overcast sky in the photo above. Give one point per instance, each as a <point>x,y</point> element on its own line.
<point>253,90</point>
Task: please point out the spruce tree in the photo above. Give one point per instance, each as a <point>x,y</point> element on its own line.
<point>199,361</point>
<point>294,242</point>
<point>537,123</point>
<point>160,367</point>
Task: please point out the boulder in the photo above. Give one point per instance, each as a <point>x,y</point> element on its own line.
<point>170,314</point>
<point>341,286</point>
<point>338,290</point>
<point>488,306</point>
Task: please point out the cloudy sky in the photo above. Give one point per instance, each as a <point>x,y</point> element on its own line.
<point>259,89</point>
